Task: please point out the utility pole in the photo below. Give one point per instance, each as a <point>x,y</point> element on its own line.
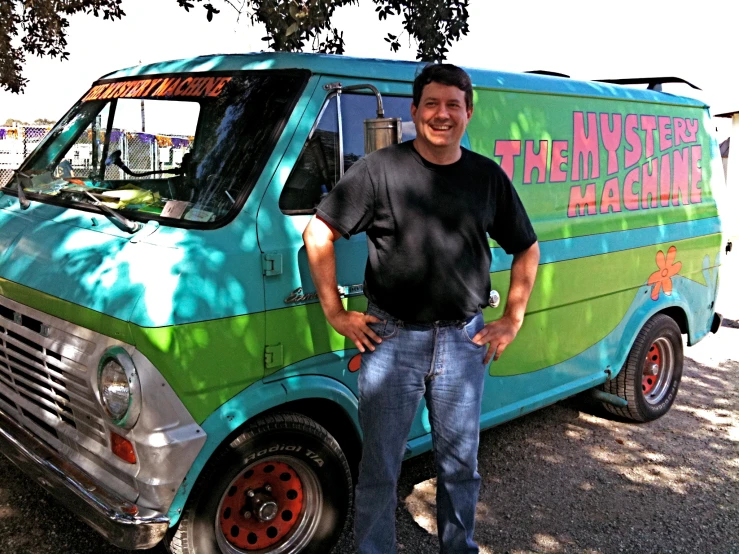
<point>143,115</point>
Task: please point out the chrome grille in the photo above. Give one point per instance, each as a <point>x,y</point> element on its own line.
<point>40,387</point>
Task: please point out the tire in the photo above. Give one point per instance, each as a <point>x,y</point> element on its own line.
<point>301,487</point>
<point>650,378</point>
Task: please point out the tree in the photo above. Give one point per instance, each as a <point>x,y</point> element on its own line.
<point>41,27</point>
<point>292,26</point>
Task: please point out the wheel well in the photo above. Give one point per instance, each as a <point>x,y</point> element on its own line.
<point>678,315</point>
<point>335,420</point>
<point>326,413</point>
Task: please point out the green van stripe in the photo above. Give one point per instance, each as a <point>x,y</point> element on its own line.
<point>209,362</point>
<point>559,299</point>
<point>206,363</point>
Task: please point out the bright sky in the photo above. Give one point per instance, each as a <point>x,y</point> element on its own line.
<point>582,38</point>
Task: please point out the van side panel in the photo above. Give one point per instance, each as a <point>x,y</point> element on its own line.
<point>585,166</point>
<point>620,194</point>
<point>577,303</point>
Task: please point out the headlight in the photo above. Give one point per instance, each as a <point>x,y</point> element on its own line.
<point>118,385</point>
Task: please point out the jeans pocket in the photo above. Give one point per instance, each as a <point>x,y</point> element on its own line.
<point>385,329</point>
<point>473,327</point>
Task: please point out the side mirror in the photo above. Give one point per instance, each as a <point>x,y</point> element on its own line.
<point>382,132</point>
<point>379,132</point>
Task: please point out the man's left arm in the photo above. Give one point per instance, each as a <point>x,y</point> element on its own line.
<point>499,334</point>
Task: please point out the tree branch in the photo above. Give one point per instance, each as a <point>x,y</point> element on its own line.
<point>40,27</point>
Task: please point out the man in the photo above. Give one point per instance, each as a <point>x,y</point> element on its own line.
<point>426,207</point>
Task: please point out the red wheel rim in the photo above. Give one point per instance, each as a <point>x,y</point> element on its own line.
<point>274,480</point>
<point>649,378</point>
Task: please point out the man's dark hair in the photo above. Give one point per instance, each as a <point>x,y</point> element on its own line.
<point>444,74</point>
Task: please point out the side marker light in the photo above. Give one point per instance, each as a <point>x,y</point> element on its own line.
<point>122,448</point>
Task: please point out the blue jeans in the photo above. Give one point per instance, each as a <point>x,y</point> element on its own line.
<point>438,362</point>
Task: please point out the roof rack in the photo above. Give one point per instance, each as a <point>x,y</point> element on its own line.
<point>654,83</point>
<point>549,73</point>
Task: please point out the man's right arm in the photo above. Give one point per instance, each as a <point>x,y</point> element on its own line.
<point>319,240</point>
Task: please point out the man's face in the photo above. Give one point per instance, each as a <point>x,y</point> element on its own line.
<point>441,116</point>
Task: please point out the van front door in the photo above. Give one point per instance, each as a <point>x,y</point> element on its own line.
<point>299,340</point>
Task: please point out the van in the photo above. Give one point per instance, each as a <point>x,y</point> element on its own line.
<point>166,369</point>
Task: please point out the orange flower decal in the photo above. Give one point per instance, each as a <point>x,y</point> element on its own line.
<point>355,362</point>
<point>668,268</point>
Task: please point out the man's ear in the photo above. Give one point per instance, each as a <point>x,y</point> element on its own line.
<point>469,111</point>
<point>414,109</point>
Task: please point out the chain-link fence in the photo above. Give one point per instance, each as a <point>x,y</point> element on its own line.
<point>15,144</point>
<point>140,152</point>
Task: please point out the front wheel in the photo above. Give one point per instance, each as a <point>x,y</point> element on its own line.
<point>650,378</point>
<point>281,487</point>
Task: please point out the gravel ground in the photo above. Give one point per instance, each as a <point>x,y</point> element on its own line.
<point>569,478</point>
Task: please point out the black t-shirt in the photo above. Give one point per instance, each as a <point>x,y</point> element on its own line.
<point>426,226</point>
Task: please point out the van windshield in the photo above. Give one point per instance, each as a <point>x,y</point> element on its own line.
<point>185,150</point>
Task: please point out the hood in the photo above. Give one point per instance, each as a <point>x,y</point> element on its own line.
<point>156,277</point>
<point>82,258</point>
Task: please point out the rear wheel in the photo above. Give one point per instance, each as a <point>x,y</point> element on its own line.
<point>650,378</point>
<point>281,487</point>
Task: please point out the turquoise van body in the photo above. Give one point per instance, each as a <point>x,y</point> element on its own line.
<point>198,314</point>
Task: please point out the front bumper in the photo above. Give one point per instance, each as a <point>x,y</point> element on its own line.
<point>122,523</point>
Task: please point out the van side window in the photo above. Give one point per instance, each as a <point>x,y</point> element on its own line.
<point>355,108</point>
<point>318,169</point>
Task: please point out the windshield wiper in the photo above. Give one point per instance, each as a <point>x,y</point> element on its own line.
<point>127,224</point>
<point>22,199</point>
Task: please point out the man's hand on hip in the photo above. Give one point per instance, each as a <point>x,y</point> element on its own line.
<point>354,326</point>
<point>319,240</point>
<point>497,335</point>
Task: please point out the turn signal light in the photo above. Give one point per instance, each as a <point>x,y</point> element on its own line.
<point>122,448</point>
<point>130,509</point>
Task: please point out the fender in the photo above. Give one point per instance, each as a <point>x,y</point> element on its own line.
<point>249,403</point>
<point>644,310</point>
